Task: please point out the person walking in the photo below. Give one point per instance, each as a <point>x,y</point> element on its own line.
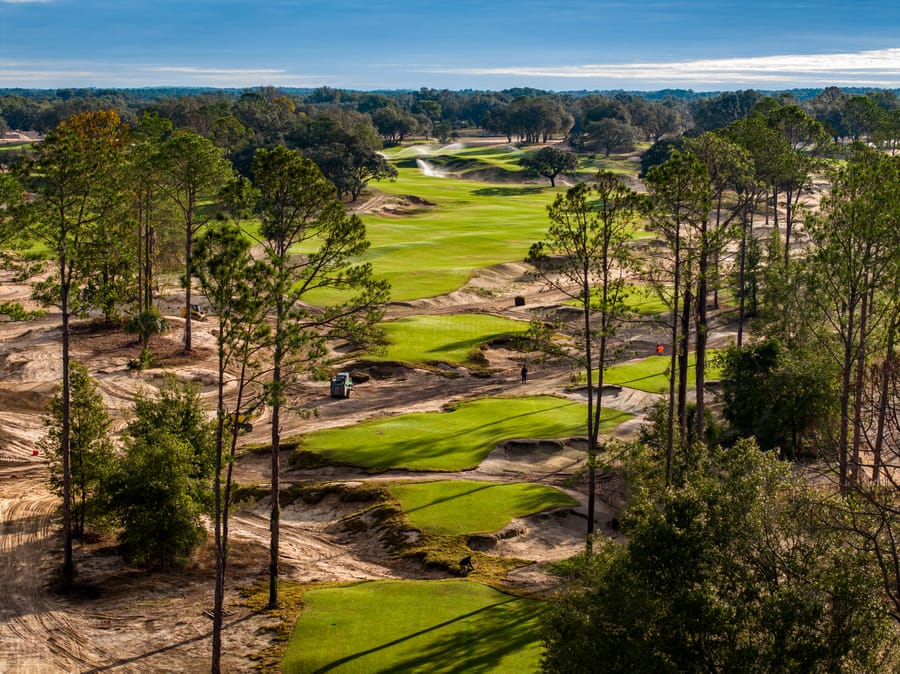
<point>524,373</point>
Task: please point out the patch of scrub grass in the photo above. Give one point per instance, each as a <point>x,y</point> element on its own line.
<point>290,603</point>
<point>462,507</point>
<point>415,626</point>
<point>453,440</point>
<point>651,374</point>
<point>452,339</point>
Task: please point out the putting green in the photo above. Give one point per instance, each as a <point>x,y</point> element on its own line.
<point>651,374</point>
<point>450,339</point>
<point>462,507</point>
<point>414,626</point>
<point>453,440</point>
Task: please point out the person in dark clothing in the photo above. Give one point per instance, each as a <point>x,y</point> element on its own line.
<point>524,373</point>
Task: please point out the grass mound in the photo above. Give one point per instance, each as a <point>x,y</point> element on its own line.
<point>414,626</point>
<point>452,339</point>
<point>457,439</point>
<point>462,507</point>
<point>652,374</point>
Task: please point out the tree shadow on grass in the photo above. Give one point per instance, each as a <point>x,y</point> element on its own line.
<point>506,191</point>
<point>477,641</point>
<point>481,438</point>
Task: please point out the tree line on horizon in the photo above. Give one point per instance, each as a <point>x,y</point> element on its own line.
<point>240,120</point>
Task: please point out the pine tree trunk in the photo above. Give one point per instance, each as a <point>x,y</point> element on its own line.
<point>670,420</point>
<point>592,433</point>
<point>275,513</point>
<point>858,391</point>
<point>742,291</point>
<point>702,329</point>
<point>68,568</point>
<point>844,423</point>
<point>887,373</point>
<point>683,353</point>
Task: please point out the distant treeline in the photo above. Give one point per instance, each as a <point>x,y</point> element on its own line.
<point>334,123</point>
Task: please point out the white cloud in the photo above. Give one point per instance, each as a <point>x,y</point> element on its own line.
<point>49,74</point>
<point>868,68</point>
<point>875,68</point>
<point>189,70</point>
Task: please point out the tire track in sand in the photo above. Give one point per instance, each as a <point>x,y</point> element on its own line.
<point>37,633</point>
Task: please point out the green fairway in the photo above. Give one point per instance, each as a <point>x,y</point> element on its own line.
<point>456,440</point>
<point>447,339</point>
<point>462,507</point>
<point>465,225</point>
<point>474,218</point>
<point>414,626</point>
<point>651,374</point>
<point>459,155</point>
<point>458,224</point>
<point>471,225</point>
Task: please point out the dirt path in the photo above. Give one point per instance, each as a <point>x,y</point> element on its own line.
<point>38,632</point>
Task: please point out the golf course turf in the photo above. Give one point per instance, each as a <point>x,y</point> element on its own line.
<point>651,374</point>
<point>451,339</point>
<point>414,626</point>
<point>453,440</point>
<point>461,507</point>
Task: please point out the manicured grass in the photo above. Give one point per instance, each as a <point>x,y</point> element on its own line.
<point>470,224</point>
<point>500,156</point>
<point>415,626</point>
<point>651,374</point>
<point>644,300</point>
<point>448,339</point>
<point>456,440</point>
<point>641,299</point>
<point>9,147</point>
<point>462,507</point>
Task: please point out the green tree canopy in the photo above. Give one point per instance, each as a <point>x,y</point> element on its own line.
<point>727,571</point>
<point>776,396</point>
<point>92,455</point>
<point>162,486</point>
<point>550,162</point>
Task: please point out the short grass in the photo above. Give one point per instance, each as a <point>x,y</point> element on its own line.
<point>452,339</point>
<point>462,507</point>
<point>651,374</point>
<point>505,157</point>
<point>472,224</point>
<point>640,299</point>
<point>415,626</point>
<point>644,300</point>
<point>453,440</point>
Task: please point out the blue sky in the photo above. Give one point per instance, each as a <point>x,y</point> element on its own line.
<point>704,45</point>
